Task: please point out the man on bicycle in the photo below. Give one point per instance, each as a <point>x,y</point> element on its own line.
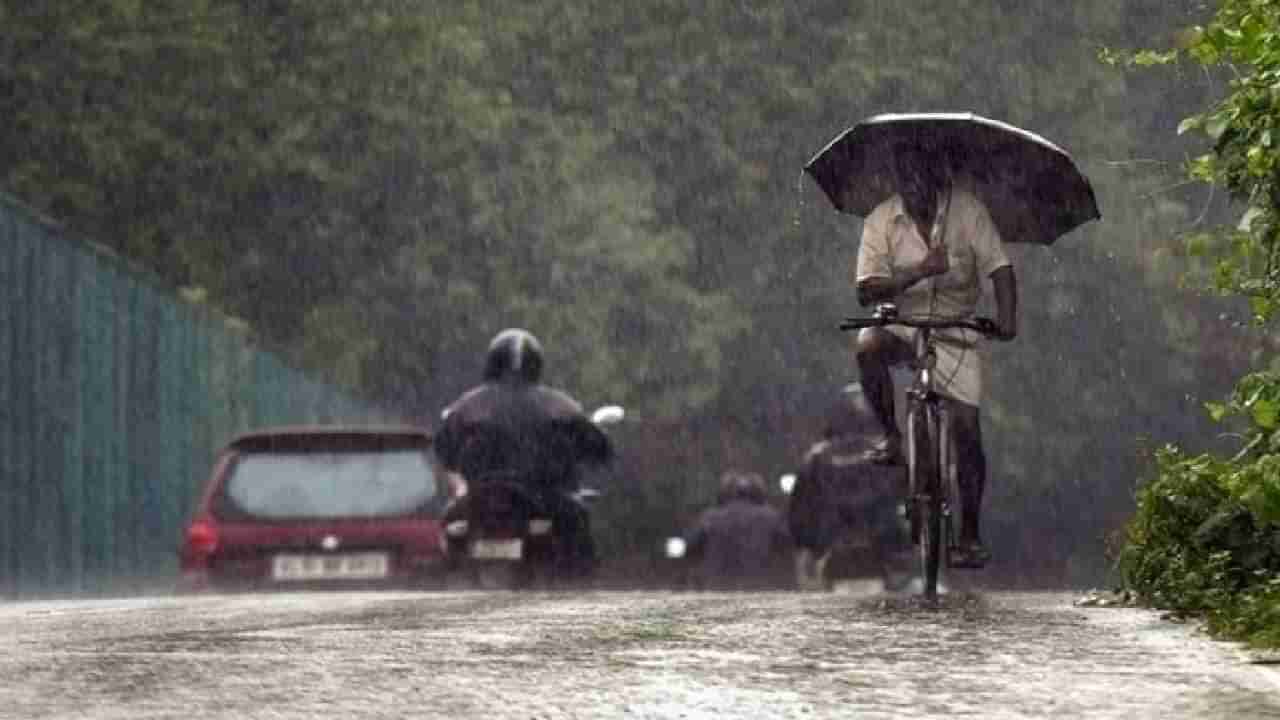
<point>926,249</point>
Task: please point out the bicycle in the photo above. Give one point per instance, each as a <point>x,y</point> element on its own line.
<point>931,470</point>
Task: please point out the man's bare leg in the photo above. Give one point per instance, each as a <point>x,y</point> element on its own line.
<point>877,351</point>
<point>971,469</point>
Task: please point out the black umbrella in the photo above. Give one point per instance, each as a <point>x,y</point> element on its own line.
<point>1032,187</point>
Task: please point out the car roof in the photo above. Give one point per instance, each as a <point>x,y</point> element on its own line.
<point>319,435</point>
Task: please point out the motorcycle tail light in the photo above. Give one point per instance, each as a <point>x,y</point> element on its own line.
<point>457,528</point>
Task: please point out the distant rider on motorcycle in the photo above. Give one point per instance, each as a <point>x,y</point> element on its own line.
<point>742,542</point>
<point>842,492</point>
<point>514,428</point>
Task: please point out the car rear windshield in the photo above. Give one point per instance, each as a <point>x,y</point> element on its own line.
<point>347,483</point>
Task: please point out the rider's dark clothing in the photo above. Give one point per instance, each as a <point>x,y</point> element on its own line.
<point>529,434</point>
<point>840,488</point>
<point>741,544</point>
<point>527,430</point>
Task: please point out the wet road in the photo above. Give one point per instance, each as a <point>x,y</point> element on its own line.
<point>615,654</point>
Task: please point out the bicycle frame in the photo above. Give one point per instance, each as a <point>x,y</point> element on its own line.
<point>933,487</point>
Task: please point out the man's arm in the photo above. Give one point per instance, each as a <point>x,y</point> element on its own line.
<point>883,289</point>
<point>1006,291</point>
<point>878,289</point>
<point>988,245</point>
<point>447,440</point>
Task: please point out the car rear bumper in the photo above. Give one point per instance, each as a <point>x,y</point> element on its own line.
<point>423,574</point>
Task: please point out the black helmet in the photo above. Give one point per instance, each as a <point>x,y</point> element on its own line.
<point>742,486</point>
<point>852,416</point>
<point>514,353</point>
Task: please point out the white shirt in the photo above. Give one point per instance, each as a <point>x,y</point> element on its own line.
<point>891,242</point>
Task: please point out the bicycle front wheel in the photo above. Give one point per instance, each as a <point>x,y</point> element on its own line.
<point>923,463</point>
<point>930,546</point>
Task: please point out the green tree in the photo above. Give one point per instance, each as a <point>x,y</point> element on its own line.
<point>1204,539</point>
<point>379,186</point>
<point>1244,127</point>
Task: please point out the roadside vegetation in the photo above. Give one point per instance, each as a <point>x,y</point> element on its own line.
<point>1205,540</point>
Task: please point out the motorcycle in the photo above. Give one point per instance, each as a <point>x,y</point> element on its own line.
<point>500,531</point>
<point>739,543</point>
<point>850,537</point>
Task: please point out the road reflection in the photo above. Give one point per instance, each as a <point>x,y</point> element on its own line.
<point>855,652</point>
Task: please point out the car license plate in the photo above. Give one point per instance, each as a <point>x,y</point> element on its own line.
<point>348,566</point>
<point>497,549</point>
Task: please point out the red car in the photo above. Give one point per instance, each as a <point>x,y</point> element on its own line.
<point>319,506</point>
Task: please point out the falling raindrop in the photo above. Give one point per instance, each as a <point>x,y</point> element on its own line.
<point>799,198</point>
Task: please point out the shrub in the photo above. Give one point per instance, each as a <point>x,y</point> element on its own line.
<point>1205,540</point>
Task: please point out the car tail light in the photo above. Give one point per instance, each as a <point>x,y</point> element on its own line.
<point>202,537</point>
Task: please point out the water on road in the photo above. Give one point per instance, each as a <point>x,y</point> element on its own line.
<point>615,654</point>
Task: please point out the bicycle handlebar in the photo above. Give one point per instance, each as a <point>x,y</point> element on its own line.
<point>985,326</point>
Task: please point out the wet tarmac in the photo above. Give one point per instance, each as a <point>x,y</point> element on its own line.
<point>616,654</point>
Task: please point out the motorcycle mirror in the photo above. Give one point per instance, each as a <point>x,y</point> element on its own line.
<point>787,483</point>
<point>675,548</point>
<point>608,415</point>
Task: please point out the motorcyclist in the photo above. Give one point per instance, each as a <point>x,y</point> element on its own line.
<point>843,491</point>
<point>742,542</point>
<point>514,428</point>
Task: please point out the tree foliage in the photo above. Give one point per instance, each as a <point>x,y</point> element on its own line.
<point>379,186</point>
<point>1206,537</point>
<point>1244,129</point>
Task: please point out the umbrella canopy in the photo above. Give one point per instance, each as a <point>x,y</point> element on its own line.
<point>1031,187</point>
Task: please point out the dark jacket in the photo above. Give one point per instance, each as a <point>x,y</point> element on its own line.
<point>528,432</point>
<point>838,489</point>
<point>741,544</point>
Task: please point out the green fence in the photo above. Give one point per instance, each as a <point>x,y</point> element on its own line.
<point>114,396</point>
